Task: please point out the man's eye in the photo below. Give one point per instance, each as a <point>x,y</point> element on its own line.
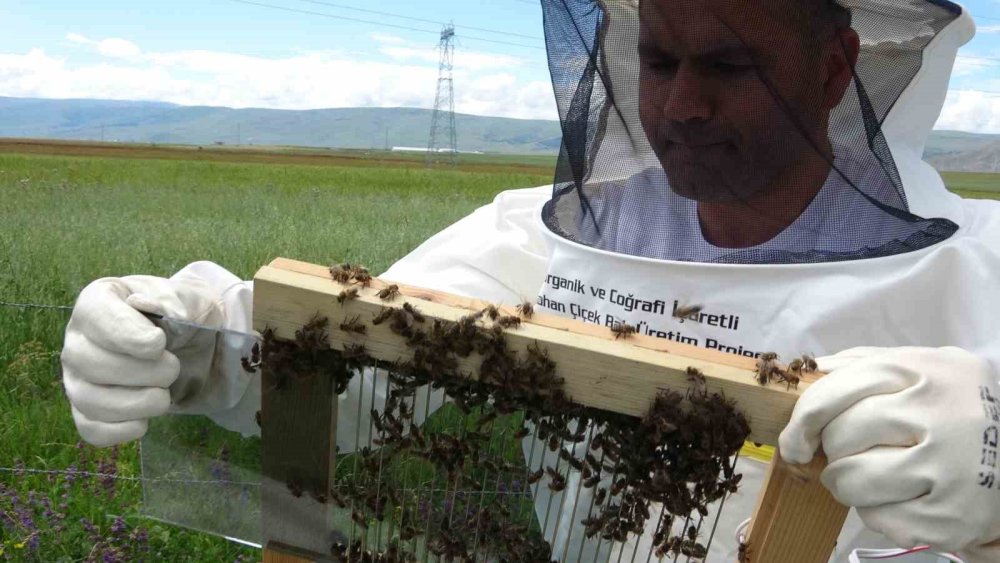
<point>662,65</point>
<point>732,68</point>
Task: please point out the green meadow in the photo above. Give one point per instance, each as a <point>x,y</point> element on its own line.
<point>65,221</point>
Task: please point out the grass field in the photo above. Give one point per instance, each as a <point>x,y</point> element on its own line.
<point>67,220</point>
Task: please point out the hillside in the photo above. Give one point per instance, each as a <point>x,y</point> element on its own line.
<point>351,128</point>
<point>155,122</point>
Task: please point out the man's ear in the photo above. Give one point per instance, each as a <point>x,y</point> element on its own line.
<point>841,56</point>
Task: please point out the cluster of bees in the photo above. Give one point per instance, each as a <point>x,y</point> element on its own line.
<point>678,455</point>
<point>768,370</point>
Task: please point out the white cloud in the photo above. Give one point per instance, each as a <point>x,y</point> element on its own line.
<point>306,80</point>
<point>387,38</point>
<point>119,49</point>
<point>77,38</point>
<point>971,110</point>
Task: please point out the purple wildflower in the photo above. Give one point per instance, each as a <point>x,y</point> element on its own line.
<point>118,527</point>
<point>90,528</point>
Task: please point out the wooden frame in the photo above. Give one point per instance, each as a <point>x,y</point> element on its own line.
<point>796,519</point>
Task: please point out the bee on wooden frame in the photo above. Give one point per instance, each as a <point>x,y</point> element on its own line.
<point>509,322</point>
<point>389,293</point>
<point>695,376</point>
<point>341,273</point>
<point>527,309</point>
<point>383,315</point>
<point>363,278</point>
<point>414,312</point>
<point>623,330</point>
<point>809,364</point>
<point>347,295</point>
<point>354,325</point>
<point>490,311</point>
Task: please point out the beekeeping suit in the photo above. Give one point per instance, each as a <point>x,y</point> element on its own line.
<point>698,168</point>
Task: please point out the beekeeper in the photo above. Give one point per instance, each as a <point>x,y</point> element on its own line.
<point>760,159</point>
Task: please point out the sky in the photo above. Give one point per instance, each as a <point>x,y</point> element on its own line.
<point>304,54</point>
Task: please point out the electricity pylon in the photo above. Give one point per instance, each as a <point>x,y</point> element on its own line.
<point>443,119</point>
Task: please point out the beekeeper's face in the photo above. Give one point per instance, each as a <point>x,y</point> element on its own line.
<point>728,91</point>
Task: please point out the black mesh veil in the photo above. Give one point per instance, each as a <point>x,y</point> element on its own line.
<point>736,131</point>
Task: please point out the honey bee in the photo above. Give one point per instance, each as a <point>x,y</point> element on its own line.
<point>389,293</point>
<point>347,295</point>
<point>568,457</point>
<point>509,322</point>
<point>765,367</point>
<point>534,477</point>
<point>294,487</point>
<point>791,380</point>
<point>340,273</point>
<point>557,482</point>
<point>247,366</point>
<point>592,482</point>
<point>809,364</point>
<point>521,433</point>
<point>253,362</point>
<point>490,311</point>
<point>601,495</point>
<point>594,525</point>
<point>795,365</point>
<point>363,278</point>
<point>743,556</point>
<point>318,497</point>
<point>257,418</point>
<point>354,325</point>
<point>527,309</point>
<point>623,330</point>
<point>618,487</point>
<point>354,351</point>
<point>692,533</point>
<point>413,311</point>
<point>383,315</point>
<point>553,443</point>
<point>686,311</point>
<point>695,376</point>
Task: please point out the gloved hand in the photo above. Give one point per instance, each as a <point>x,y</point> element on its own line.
<point>912,437</point>
<point>119,369</point>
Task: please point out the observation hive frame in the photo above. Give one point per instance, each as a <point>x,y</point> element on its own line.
<point>796,520</point>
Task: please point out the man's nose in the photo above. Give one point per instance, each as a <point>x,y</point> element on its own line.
<point>687,97</point>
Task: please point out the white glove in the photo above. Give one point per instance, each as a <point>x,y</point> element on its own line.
<point>911,435</point>
<point>119,369</point>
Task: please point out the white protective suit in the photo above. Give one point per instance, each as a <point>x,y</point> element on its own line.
<point>943,295</point>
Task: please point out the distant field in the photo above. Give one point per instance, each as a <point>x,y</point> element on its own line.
<point>500,163</point>
<point>110,210</point>
<point>980,185</point>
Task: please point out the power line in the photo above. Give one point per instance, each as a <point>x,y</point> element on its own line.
<point>382,24</point>
<point>400,16</point>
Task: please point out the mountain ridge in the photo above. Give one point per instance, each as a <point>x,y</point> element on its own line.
<point>348,128</point>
